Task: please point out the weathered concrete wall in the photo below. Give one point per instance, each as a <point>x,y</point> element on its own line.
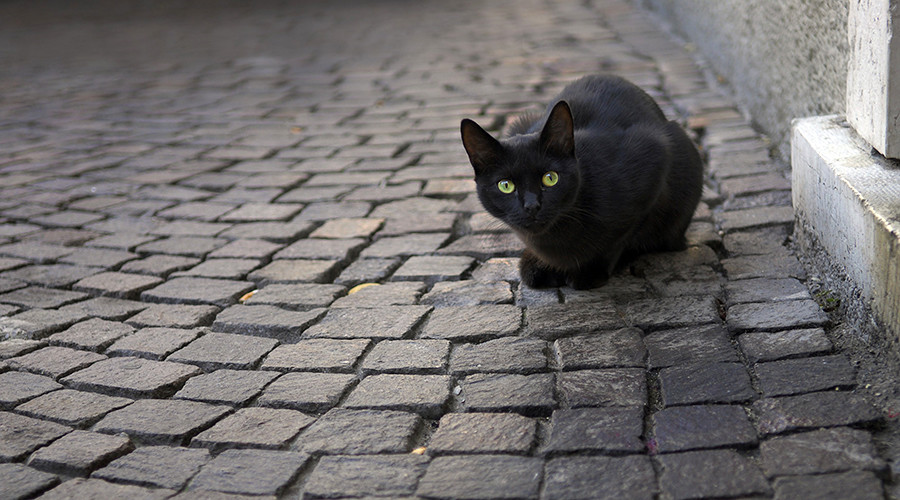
<point>784,58</point>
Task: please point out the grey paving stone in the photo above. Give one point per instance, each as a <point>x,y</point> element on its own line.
<point>757,242</point>
<point>232,387</point>
<point>79,452</point>
<point>73,408</point>
<point>820,451</point>
<point>779,378</point>
<point>684,428</point>
<point>348,228</point>
<point>38,323</point>
<point>20,435</point>
<point>389,322</point>
<point>765,290</point>
<point>94,334</point>
<point>751,218</point>
<point>407,356</point>
<point>618,349</point>
<point>20,481</point>
<point>533,297</point>
<point>266,321</point>
<point>705,383</point>
<point>41,253</point>
<point>115,284</point>
<point>325,355</point>
<point>426,222</point>
<point>484,246</point>
<point>185,246</point>
<point>378,295</point>
<point>298,297</point>
<point>858,484</point>
<point>367,271</point>
<point>498,269</point>
<point>305,391</point>
<point>51,275</point>
<point>764,266</point>
<point>503,355</point>
<point>776,316</point>
<point>258,212</point>
<point>249,249</point>
<point>266,428</point>
<point>403,246</point>
<point>253,472</point>
<point>153,343</point>
<point>672,312</point>
<point>468,293</point>
<point>96,488</point>
<point>161,421</point>
<point>770,346</point>
<point>216,350</point>
<point>432,269</point>
<point>224,268</point>
<point>334,210</point>
<point>155,466</point>
<point>360,432</point>
<point>160,265</point>
<point>365,476</point>
<point>55,362</point>
<point>18,387</point>
<point>551,322</point>
<point>696,344</point>
<point>427,395</point>
<point>221,293</point>
<point>413,205</point>
<point>477,477</point>
<point>713,473</point>
<point>343,250</point>
<point>473,323</point>
<point>530,395</point>
<point>34,297</point>
<point>173,316</point>
<point>609,387</point>
<point>132,377</point>
<point>481,433</point>
<point>296,271</point>
<point>98,257</point>
<point>17,347</point>
<point>279,232</point>
<point>809,411</point>
<point>613,478</point>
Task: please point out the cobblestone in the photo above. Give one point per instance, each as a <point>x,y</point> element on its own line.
<point>155,466</point>
<point>361,476</point>
<point>79,452</point>
<point>161,421</point>
<point>251,472</point>
<point>24,482</point>
<point>73,408</point>
<point>343,431</point>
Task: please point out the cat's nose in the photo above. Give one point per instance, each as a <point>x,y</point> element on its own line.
<point>531,204</point>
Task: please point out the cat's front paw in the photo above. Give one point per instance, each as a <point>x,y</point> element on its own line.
<point>535,275</point>
<point>585,281</point>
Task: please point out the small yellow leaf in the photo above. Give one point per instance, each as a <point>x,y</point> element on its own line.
<point>247,296</point>
<point>360,287</point>
<point>419,451</point>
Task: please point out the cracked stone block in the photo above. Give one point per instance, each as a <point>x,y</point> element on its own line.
<point>161,421</point>
<point>712,473</point>
<point>363,476</point>
<point>20,481</point>
<point>468,293</point>
<point>107,308</point>
<point>779,378</point>
<point>684,428</point>
<point>98,257</point>
<point>696,344</point>
<point>765,290</point>
<point>407,356</point>
<point>476,477</point>
<point>18,347</point>
<point>813,410</point>
<point>607,430</point>
<point>18,387</point>
<point>389,322</point>
<point>856,484</point>
<point>504,355</point>
<point>602,478</point>
<point>387,294</point>
<point>424,394</point>
<point>232,387</point>
<point>94,334</point>
<point>705,383</point>
<point>820,451</point>
<point>155,466</point>
<point>79,452</point>
<point>132,377</point>
<point>473,323</point>
<point>41,253</point>
<point>306,391</point>
<point>477,433</point>
<point>153,343</point>
<point>266,321</point>
<point>776,316</point>
<point>116,284</point>
<point>485,246</point>
<point>404,246</point>
<point>551,322</point>
<point>20,435</point>
<point>299,297</point>
<point>360,432</point>
<point>266,428</point>
<point>34,297</point>
<point>73,408</point>
<point>531,395</point>
<point>216,350</point>
<point>37,323</point>
<point>610,387</point>
<point>432,269</point>
<point>221,293</point>
<point>55,362</point>
<point>173,316</point>
<point>622,348</point>
<point>295,271</point>
<point>771,346</point>
<point>672,312</point>
<point>97,488</point>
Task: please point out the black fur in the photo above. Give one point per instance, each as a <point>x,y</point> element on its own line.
<point>629,181</point>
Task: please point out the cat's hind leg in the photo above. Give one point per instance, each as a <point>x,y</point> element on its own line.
<point>537,274</point>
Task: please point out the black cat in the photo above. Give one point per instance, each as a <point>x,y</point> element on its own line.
<point>601,175</point>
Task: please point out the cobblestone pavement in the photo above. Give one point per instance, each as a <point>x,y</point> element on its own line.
<point>191,196</point>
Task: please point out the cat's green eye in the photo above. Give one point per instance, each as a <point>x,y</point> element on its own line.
<point>506,186</point>
<point>550,178</point>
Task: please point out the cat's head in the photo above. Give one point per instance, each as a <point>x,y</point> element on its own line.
<point>528,181</point>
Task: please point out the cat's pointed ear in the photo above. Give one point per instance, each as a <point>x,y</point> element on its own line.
<point>484,151</point>
<point>558,136</point>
